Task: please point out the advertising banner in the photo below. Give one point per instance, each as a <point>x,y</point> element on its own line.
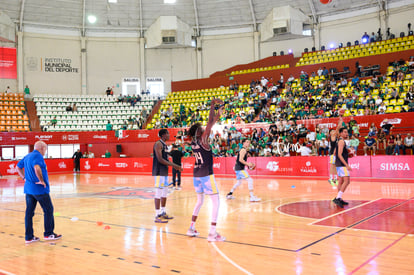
<point>392,167</point>
<point>8,63</point>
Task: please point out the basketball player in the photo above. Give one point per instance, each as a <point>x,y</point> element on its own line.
<point>204,182</point>
<point>160,172</point>
<point>333,137</point>
<point>342,167</point>
<point>241,174</point>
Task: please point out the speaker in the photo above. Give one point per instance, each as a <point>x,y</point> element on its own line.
<point>274,53</point>
<point>119,148</point>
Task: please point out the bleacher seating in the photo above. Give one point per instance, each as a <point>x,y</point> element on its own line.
<point>357,51</point>
<point>13,113</point>
<point>93,111</point>
<point>261,69</point>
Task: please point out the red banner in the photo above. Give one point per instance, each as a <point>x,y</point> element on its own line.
<point>361,166</point>
<point>392,166</point>
<point>8,63</point>
<point>53,166</point>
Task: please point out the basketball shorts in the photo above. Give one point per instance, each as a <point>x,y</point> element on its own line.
<point>342,171</point>
<point>332,159</point>
<point>161,181</point>
<point>242,174</point>
<point>206,185</point>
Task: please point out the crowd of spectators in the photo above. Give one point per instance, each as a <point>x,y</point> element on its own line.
<point>269,100</point>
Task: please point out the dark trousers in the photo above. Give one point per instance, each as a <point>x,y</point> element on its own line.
<point>178,174</point>
<point>323,149</point>
<point>47,206</point>
<point>77,165</point>
<point>408,147</point>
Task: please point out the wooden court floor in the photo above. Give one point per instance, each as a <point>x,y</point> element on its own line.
<point>295,229</point>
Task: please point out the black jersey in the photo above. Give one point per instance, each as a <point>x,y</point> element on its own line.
<point>338,162</point>
<point>159,169</point>
<point>333,145</point>
<point>240,166</point>
<point>203,165</point>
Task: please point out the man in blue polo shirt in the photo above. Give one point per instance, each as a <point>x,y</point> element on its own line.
<point>370,144</point>
<point>37,189</point>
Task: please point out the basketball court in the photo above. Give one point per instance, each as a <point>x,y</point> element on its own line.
<point>295,229</point>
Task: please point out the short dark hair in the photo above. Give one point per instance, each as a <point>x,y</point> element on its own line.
<point>162,132</point>
<point>342,129</point>
<point>193,129</point>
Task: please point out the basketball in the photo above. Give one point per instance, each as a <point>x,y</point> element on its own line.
<point>253,167</point>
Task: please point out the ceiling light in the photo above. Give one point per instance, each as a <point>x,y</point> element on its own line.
<point>112,1</point>
<point>169,1</point>
<point>92,19</point>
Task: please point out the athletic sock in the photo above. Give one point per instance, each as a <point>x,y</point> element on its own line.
<point>162,210</point>
<point>330,176</point>
<point>339,195</point>
<point>157,212</point>
<point>213,230</point>
<point>251,194</point>
<point>336,177</point>
<point>192,225</point>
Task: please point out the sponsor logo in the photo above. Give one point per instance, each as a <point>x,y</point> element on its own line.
<point>44,137</point>
<point>308,168</point>
<point>274,167</point>
<point>103,165</point>
<point>12,169</point>
<point>187,165</point>
<point>64,137</point>
<point>392,121</point>
<point>121,165</point>
<point>19,138</point>
<point>87,166</point>
<point>216,165</point>
<point>328,125</point>
<point>143,135</point>
<point>62,165</point>
<point>354,166</point>
<point>100,136</point>
<point>73,137</point>
<point>139,165</point>
<point>395,167</point>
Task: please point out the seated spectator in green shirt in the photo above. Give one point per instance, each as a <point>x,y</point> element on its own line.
<point>27,90</point>
<point>107,154</point>
<point>354,143</point>
<point>109,126</point>
<point>53,122</point>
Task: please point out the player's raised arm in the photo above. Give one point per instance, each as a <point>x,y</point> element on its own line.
<point>213,117</point>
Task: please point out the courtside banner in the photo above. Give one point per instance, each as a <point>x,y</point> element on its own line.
<point>309,166</point>
<point>361,166</point>
<point>268,166</point>
<point>8,63</point>
<point>53,165</point>
<point>392,167</point>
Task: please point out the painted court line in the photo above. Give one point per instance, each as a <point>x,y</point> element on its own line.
<point>380,252</point>
<point>352,208</point>
<point>230,261</point>
<point>5,272</point>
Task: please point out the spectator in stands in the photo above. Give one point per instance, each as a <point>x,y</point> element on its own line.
<point>398,144</point>
<point>382,138</point>
<point>108,91</point>
<point>144,112</point>
<point>281,80</point>
<point>408,143</point>
<point>53,122</point>
<point>27,92</point>
<point>370,144</point>
<point>304,150</point>
<point>372,130</point>
<point>411,106</point>
<point>91,155</point>
<point>8,91</point>
<point>74,108</point>
<point>387,127</point>
<point>373,37</point>
<point>354,143</point>
<point>390,145</point>
<point>107,154</point>
<point>69,108</point>
<point>124,125</point>
<point>323,147</point>
<point>365,38</point>
<point>109,126</point>
<point>311,136</point>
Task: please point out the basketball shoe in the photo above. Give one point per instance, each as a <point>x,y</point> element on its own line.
<point>52,237</point>
<point>230,196</point>
<point>338,202</point>
<point>216,237</point>
<point>343,202</point>
<point>34,239</point>
<point>254,199</point>
<point>192,232</point>
<point>165,216</point>
<point>159,219</point>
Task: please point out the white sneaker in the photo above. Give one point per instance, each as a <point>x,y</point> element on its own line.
<point>254,199</point>
<point>365,154</point>
<point>178,188</point>
<point>230,196</point>
<point>215,238</point>
<point>192,232</point>
<point>52,237</point>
